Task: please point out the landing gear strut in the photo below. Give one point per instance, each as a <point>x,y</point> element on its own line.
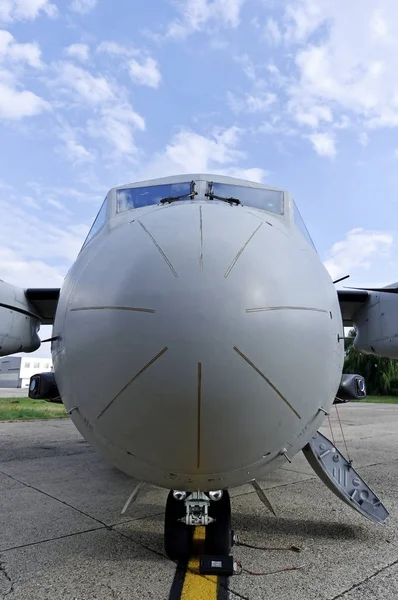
<point>186,510</point>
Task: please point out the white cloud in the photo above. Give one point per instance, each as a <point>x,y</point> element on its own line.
<point>79,51</point>
<point>314,115</point>
<point>25,53</point>
<point>93,90</point>
<point>272,32</point>
<point>82,7</point>
<point>198,15</point>
<point>15,105</point>
<point>24,10</point>
<point>74,150</point>
<point>252,174</point>
<point>363,138</point>
<point>24,271</point>
<point>111,116</point>
<point>113,48</point>
<point>59,206</point>
<point>5,186</point>
<point>277,125</point>
<point>191,152</point>
<point>251,103</point>
<point>25,263</point>
<point>357,251</point>
<point>248,67</point>
<point>145,72</point>
<point>29,201</point>
<point>303,17</point>
<point>66,193</point>
<point>117,126</point>
<point>343,122</point>
<point>352,68</point>
<point>143,69</point>
<point>323,144</point>
<point>379,27</point>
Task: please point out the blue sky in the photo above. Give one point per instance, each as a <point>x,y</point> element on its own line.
<point>301,94</point>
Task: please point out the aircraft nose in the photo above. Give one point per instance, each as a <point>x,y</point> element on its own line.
<point>190,346</point>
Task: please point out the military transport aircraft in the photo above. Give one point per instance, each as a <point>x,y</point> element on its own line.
<point>198,343</point>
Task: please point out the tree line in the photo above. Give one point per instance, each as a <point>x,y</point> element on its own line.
<point>381,374</point>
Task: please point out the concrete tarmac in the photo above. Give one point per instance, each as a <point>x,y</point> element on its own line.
<point>62,536</point>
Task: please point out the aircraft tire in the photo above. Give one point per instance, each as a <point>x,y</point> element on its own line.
<point>177,535</point>
<point>219,534</point>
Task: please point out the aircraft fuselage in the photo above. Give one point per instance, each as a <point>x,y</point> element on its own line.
<point>198,340</point>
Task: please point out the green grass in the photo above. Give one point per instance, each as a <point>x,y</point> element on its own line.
<point>380,399</point>
<point>14,409</point>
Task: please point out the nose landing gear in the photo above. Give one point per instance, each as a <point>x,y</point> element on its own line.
<point>186,510</point>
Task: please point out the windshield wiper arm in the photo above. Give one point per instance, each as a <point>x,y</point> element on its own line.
<point>210,194</point>
<point>224,198</point>
<point>191,194</point>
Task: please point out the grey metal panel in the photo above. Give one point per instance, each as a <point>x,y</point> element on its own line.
<point>351,301</point>
<point>337,473</point>
<point>45,301</point>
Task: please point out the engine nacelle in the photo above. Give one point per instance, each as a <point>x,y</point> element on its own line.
<point>352,387</point>
<point>44,387</point>
<point>376,324</point>
<point>19,324</point>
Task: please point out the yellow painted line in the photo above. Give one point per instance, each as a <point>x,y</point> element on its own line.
<point>199,534</point>
<point>198,587</point>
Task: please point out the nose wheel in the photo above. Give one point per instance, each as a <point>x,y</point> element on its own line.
<point>177,535</point>
<point>185,511</point>
<point>219,533</point>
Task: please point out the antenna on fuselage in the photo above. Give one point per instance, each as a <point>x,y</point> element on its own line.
<point>341,279</point>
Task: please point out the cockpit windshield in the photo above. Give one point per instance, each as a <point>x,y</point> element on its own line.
<point>299,222</point>
<point>269,200</point>
<point>99,222</point>
<point>137,197</point>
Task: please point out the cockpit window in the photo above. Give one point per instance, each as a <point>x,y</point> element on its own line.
<point>129,198</point>
<point>269,200</point>
<point>99,222</point>
<point>298,220</point>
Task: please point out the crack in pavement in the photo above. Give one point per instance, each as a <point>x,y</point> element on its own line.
<point>53,539</point>
<point>237,594</point>
<point>28,485</point>
<point>4,572</point>
<point>103,525</point>
<point>368,578</point>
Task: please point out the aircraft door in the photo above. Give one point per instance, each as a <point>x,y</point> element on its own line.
<point>337,473</point>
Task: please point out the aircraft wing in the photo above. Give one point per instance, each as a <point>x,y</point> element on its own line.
<point>350,302</point>
<point>44,302</point>
<point>22,312</point>
<point>374,314</point>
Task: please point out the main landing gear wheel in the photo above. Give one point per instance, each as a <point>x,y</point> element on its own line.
<point>219,534</point>
<point>177,535</point>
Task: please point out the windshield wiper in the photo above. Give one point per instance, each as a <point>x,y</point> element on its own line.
<point>191,194</point>
<point>210,194</point>
<point>224,198</point>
